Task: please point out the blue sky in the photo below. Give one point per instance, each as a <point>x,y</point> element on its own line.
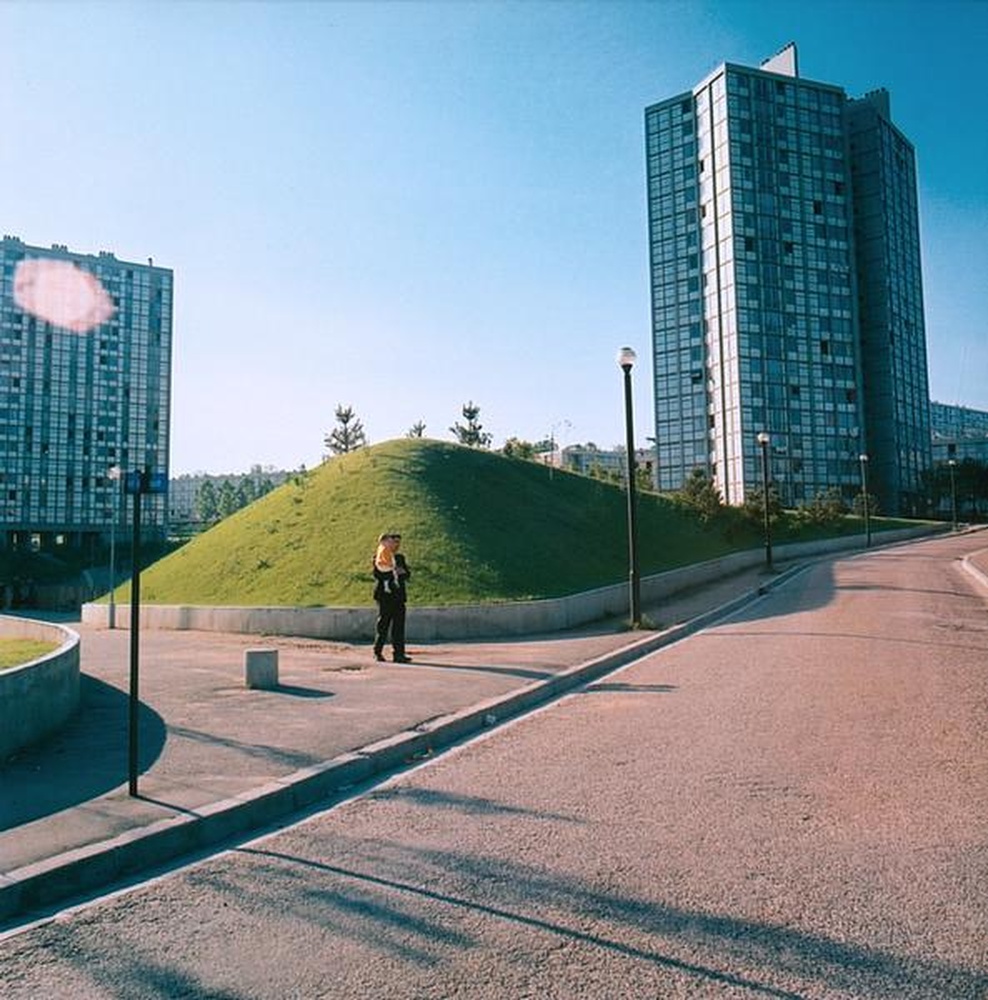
<point>407,206</point>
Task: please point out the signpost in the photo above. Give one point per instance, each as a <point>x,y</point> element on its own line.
<point>136,484</point>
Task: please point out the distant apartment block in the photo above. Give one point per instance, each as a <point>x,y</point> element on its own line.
<point>85,389</point>
<point>185,503</point>
<point>589,460</point>
<point>786,288</point>
<point>959,433</point>
<point>955,422</point>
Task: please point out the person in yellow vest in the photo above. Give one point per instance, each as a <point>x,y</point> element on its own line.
<point>391,573</point>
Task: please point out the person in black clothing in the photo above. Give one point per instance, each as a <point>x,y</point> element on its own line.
<point>391,573</point>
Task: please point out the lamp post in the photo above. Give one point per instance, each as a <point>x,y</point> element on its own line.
<point>863,459</point>
<point>626,359</point>
<point>137,483</point>
<point>953,492</point>
<point>763,440</point>
<point>114,476</point>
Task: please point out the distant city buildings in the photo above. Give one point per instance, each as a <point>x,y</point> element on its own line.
<point>589,460</point>
<point>85,390</point>
<point>786,288</point>
<point>189,508</point>
<point>959,433</point>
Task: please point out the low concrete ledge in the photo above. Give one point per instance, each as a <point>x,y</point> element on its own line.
<point>37,697</point>
<point>476,621</point>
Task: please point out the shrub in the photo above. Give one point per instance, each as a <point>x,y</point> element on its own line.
<point>827,508</point>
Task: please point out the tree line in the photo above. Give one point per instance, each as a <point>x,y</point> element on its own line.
<point>218,498</point>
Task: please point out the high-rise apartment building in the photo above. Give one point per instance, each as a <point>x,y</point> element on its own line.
<point>85,385</point>
<point>786,288</point>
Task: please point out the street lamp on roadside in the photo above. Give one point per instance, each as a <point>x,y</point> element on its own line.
<point>953,492</point>
<point>763,441</point>
<point>863,459</point>
<point>114,477</point>
<point>626,359</point>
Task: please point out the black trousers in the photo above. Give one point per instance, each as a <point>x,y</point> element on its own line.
<point>390,618</point>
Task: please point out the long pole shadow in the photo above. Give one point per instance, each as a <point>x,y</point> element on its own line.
<point>86,758</point>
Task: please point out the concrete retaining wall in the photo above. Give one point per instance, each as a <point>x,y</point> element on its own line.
<point>37,697</point>
<point>472,621</point>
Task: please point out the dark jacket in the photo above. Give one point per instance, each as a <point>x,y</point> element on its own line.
<point>390,586</point>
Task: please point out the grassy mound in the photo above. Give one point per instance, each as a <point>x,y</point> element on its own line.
<point>476,527</point>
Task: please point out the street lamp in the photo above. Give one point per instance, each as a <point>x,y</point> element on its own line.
<point>626,359</point>
<point>114,476</point>
<point>137,483</point>
<point>953,491</point>
<point>863,459</point>
<point>763,440</point>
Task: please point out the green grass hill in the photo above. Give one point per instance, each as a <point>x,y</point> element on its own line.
<point>476,527</point>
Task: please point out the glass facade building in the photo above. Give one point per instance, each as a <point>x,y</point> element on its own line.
<point>770,213</point>
<point>85,388</point>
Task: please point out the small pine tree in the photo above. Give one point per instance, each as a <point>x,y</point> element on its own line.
<point>417,430</point>
<point>825,508</point>
<point>754,504</point>
<point>472,434</point>
<point>348,435</point>
<point>701,495</point>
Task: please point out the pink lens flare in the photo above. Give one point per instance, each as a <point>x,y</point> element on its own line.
<point>59,292</point>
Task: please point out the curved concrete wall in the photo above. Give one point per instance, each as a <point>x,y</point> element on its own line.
<point>37,697</point>
<point>470,621</point>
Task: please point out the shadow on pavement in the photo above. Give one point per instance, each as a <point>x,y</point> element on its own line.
<point>86,758</point>
<point>402,880</point>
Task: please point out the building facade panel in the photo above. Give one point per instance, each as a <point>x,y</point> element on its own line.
<point>892,325</point>
<point>85,388</point>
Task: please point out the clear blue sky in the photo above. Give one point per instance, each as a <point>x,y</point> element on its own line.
<point>407,206</point>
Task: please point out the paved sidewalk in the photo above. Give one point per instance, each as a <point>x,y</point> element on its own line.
<point>218,759</point>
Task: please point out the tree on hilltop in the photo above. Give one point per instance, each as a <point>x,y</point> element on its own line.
<point>348,434</point>
<point>416,430</point>
<point>472,434</point>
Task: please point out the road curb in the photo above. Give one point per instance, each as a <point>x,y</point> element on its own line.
<point>969,567</point>
<point>74,873</point>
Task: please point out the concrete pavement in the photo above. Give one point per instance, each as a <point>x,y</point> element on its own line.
<point>218,759</point>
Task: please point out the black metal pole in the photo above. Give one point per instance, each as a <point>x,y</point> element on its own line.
<point>629,420</point>
<point>135,606</point>
<point>765,512</point>
<point>953,495</point>
<point>864,498</point>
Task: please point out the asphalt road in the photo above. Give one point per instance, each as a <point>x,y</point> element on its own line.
<point>790,804</point>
